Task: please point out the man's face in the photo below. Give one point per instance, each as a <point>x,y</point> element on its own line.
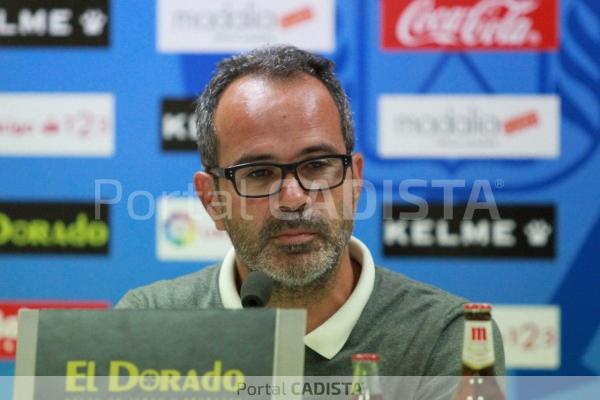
<point>295,236</point>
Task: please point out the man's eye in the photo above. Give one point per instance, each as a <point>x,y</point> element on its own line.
<point>259,173</point>
<point>318,164</point>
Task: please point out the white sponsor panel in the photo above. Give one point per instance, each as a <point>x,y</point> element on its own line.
<point>185,232</point>
<point>208,26</point>
<point>531,335</point>
<point>57,124</point>
<point>505,127</point>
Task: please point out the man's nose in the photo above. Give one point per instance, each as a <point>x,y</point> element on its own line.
<point>292,196</point>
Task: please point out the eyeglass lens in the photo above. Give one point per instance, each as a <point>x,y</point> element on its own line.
<point>315,174</point>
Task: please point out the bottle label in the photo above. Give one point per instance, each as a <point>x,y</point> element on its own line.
<point>478,345</point>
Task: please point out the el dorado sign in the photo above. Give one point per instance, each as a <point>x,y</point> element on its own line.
<point>125,354</point>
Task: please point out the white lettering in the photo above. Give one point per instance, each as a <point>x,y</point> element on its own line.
<point>502,233</point>
<point>59,24</point>
<point>486,23</point>
<point>421,233</point>
<point>475,233</point>
<point>444,236</point>
<point>6,28</point>
<point>33,23</point>
<point>8,326</point>
<point>180,126</point>
<point>395,232</point>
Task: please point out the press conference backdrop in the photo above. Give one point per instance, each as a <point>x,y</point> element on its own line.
<point>492,117</point>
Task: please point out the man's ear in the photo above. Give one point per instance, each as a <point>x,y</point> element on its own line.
<point>357,175</point>
<point>206,190</point>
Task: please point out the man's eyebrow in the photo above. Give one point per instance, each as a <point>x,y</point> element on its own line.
<point>321,148</point>
<point>248,158</point>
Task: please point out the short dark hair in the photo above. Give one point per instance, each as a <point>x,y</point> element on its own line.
<point>278,62</point>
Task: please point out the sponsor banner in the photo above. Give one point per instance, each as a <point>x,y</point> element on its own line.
<point>477,230</point>
<point>207,26</point>
<point>54,23</point>
<point>178,125</point>
<point>469,126</point>
<point>54,228</point>
<point>57,124</point>
<point>469,24</point>
<point>531,335</point>
<point>186,232</point>
<point>9,311</point>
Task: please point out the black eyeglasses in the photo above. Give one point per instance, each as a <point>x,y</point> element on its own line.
<point>261,179</point>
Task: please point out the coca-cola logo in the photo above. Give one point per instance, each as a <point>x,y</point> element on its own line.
<point>470,24</point>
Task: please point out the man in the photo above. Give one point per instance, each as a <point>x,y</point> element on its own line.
<point>275,135</point>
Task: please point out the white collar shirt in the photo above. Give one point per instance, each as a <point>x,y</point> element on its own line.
<point>329,337</point>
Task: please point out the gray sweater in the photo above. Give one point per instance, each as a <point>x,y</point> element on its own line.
<point>416,328</point>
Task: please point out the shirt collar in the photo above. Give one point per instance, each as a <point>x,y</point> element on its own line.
<point>329,338</point>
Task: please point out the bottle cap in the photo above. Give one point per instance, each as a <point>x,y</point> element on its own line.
<point>365,357</point>
<point>477,307</point>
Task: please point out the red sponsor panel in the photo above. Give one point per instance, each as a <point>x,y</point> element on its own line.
<point>9,311</point>
<point>469,24</point>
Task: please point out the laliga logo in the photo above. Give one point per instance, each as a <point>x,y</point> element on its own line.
<point>92,22</point>
<point>180,229</point>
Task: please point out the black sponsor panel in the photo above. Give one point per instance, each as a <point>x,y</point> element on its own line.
<point>178,125</point>
<point>54,228</point>
<point>54,23</point>
<point>527,231</point>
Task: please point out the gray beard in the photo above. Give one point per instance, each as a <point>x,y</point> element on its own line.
<point>311,274</point>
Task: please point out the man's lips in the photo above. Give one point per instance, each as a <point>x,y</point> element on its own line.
<point>294,236</point>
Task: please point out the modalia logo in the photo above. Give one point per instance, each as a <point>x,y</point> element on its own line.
<point>495,230</point>
<point>9,319</point>
<point>207,26</point>
<point>469,126</point>
<point>56,23</point>
<point>56,124</point>
<point>469,24</point>
<point>178,125</point>
<point>186,232</point>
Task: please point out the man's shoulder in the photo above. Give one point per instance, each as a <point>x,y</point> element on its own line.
<point>198,289</point>
<point>401,298</point>
<point>396,291</point>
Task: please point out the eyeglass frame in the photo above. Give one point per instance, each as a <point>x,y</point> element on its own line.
<point>229,172</point>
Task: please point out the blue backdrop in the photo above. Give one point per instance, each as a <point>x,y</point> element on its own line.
<point>139,77</point>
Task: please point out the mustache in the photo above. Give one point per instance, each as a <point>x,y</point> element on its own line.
<point>274,226</point>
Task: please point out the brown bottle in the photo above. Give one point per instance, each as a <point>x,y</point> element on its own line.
<point>365,377</point>
<point>479,381</point>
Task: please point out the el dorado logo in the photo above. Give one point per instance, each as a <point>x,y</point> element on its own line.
<point>125,376</point>
<point>54,228</point>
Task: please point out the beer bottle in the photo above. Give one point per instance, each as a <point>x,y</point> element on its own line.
<point>365,380</point>
<point>478,381</point>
